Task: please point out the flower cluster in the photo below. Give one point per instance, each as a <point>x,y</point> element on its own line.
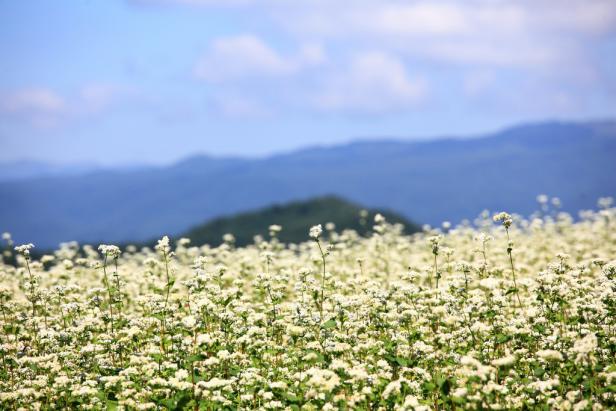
<point>503,218</point>
<point>112,251</point>
<point>24,249</point>
<point>443,319</point>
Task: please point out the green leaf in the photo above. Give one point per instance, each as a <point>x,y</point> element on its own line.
<point>329,324</point>
<point>539,328</point>
<point>195,357</point>
<point>502,338</point>
<point>181,401</point>
<point>401,361</point>
<point>490,314</point>
<point>319,358</point>
<point>291,397</point>
<point>445,386</point>
<point>159,316</point>
<point>458,400</point>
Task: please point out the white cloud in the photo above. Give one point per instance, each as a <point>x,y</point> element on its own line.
<point>194,3</point>
<point>247,56</point>
<point>97,97</point>
<point>448,17</point>
<point>40,100</point>
<point>590,17</point>
<point>551,43</point>
<point>486,32</point>
<point>40,107</point>
<point>422,19</point>
<point>373,82</point>
<point>45,108</point>
<point>520,53</point>
<point>237,105</point>
<point>546,32</point>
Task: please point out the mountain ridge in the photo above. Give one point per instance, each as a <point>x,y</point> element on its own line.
<point>426,181</point>
<point>81,169</point>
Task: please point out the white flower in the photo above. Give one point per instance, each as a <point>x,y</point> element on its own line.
<point>24,249</point>
<point>324,380</point>
<point>163,245</point>
<point>581,406</point>
<point>489,283</point>
<point>605,202</point>
<point>47,258</point>
<point>189,322</point>
<point>483,238</point>
<point>393,388</point>
<point>460,392</point>
<point>434,242</point>
<point>274,228</point>
<point>550,355</point>
<point>504,218</point>
<point>316,231</point>
<point>504,361</point>
<point>584,348</point>
<point>109,250</point>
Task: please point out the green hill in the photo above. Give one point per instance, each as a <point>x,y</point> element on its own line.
<point>296,218</point>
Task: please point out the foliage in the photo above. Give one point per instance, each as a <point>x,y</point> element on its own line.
<point>520,315</point>
<point>295,218</point>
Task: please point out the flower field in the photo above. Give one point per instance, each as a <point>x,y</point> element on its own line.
<point>503,313</point>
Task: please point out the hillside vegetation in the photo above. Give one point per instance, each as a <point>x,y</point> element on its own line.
<point>294,219</point>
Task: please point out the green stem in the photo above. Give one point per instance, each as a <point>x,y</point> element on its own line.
<point>109,293</point>
<point>32,295</point>
<point>436,269</point>
<point>167,290</point>
<point>515,284</point>
<point>322,282</point>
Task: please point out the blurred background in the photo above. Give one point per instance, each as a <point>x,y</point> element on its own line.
<point>121,121</point>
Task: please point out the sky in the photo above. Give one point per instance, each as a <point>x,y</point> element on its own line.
<point>120,82</point>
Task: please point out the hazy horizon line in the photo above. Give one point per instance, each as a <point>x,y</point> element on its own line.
<point>91,165</point>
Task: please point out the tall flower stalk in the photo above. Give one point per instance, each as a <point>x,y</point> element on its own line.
<point>165,250</point>
<point>315,234</point>
<point>24,250</point>
<point>506,220</point>
<point>435,245</point>
<point>113,252</point>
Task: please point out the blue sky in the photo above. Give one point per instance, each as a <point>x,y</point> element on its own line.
<point>151,81</point>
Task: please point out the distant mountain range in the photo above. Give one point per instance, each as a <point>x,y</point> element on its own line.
<point>27,169</point>
<point>30,169</point>
<point>428,182</point>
